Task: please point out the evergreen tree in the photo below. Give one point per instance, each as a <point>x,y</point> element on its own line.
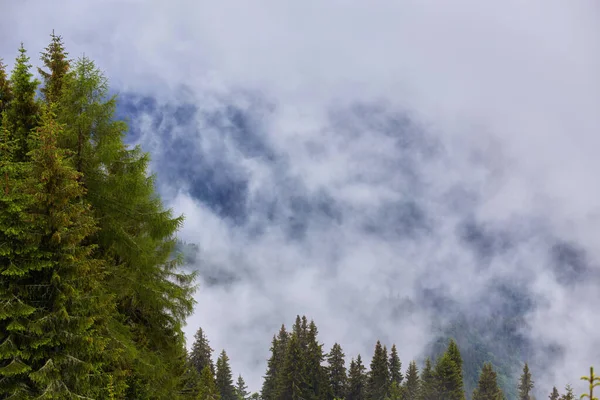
<point>569,395</point>
<point>338,379</point>
<point>428,389</point>
<point>554,395</point>
<point>487,388</point>
<point>448,380</point>
<point>291,383</point>
<point>395,366</point>
<point>55,59</point>
<point>357,380</point>
<point>412,383</point>
<point>5,89</point>
<point>241,390</point>
<point>525,384</point>
<point>22,110</point>
<point>275,365</point>
<point>316,376</point>
<point>379,377</point>
<point>455,356</point>
<point>208,388</point>
<point>57,332</point>
<point>201,354</point>
<point>224,379</point>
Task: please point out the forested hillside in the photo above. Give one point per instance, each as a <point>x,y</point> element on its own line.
<point>93,297</point>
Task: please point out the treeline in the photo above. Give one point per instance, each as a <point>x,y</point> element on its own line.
<point>92,300</point>
<point>299,369</point>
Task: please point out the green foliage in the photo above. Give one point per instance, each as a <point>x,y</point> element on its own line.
<point>208,388</point>
<point>275,364</point>
<point>201,354</point>
<point>241,390</point>
<point>55,59</point>
<point>554,395</point>
<point>338,379</point>
<point>395,366</point>
<point>357,380</point>
<point>525,384</point>
<point>568,393</point>
<point>224,378</point>
<point>5,88</point>
<point>487,389</point>
<point>379,376</point>
<point>448,379</point>
<point>412,383</point>
<point>428,382</point>
<point>593,381</point>
<point>292,381</point>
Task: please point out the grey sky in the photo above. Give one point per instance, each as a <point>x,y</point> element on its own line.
<point>508,92</point>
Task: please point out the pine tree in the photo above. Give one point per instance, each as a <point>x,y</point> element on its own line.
<point>379,377</point>
<point>455,356</point>
<point>291,383</point>
<point>224,379</point>
<point>201,353</point>
<point>525,384</point>
<point>412,383</point>
<point>569,395</point>
<point>241,390</point>
<point>208,388</point>
<point>275,365</point>
<point>428,390</point>
<point>487,388</point>
<point>55,59</point>
<point>554,395</point>
<point>5,89</point>
<point>357,380</point>
<point>22,111</point>
<point>60,346</point>
<point>448,380</point>
<point>316,377</point>
<point>395,366</point>
<point>338,379</point>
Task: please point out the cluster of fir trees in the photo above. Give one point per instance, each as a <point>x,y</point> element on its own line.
<point>299,369</point>
<point>92,301</point>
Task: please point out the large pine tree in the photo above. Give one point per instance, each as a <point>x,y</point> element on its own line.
<point>395,366</point>
<point>241,390</point>
<point>448,380</point>
<point>208,388</point>
<point>55,59</point>
<point>275,364</point>
<point>412,382</point>
<point>291,383</point>
<point>428,389</point>
<point>316,376</point>
<point>201,353</point>
<point>525,384</point>
<point>357,380</point>
<point>487,388</point>
<point>338,378</point>
<point>379,375</point>
<point>224,378</point>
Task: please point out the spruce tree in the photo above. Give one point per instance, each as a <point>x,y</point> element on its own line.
<point>241,390</point>
<point>291,383</point>
<point>5,89</point>
<point>569,395</point>
<point>22,111</point>
<point>379,375</point>
<point>316,377</point>
<point>55,59</point>
<point>428,389</point>
<point>357,380</point>
<point>525,384</point>
<point>208,388</point>
<point>201,353</point>
<point>338,379</point>
<point>412,383</point>
<point>395,366</point>
<point>487,388</point>
<point>224,378</point>
<point>554,395</point>
<point>275,364</point>
<point>448,380</point>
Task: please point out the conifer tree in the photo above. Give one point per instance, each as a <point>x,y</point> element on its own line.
<point>316,376</point>
<point>357,380</point>
<point>241,390</point>
<point>208,388</point>
<point>22,110</point>
<point>412,383</point>
<point>291,383</point>
<point>5,89</point>
<point>338,378</point>
<point>525,384</point>
<point>201,353</point>
<point>569,395</point>
<point>55,59</point>
<point>395,392</point>
<point>487,388</point>
<point>275,365</point>
<point>448,380</point>
<point>379,376</point>
<point>428,389</point>
<point>224,378</point>
<point>455,356</point>
<point>395,366</point>
<point>554,395</point>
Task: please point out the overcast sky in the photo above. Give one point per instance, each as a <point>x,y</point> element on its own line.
<point>362,136</point>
